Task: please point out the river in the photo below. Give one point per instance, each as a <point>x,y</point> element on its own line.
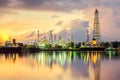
<point>61,65</point>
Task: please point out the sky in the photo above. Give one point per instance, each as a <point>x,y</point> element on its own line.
<point>20,19</point>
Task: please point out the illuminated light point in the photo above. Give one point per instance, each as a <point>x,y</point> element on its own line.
<point>94,42</point>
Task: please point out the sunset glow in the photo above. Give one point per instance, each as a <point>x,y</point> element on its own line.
<point>4,37</point>
<point>25,17</point>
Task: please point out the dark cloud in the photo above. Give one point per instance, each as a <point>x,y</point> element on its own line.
<point>59,23</point>
<point>53,5</point>
<point>79,23</point>
<point>111,4</point>
<point>4,7</point>
<point>31,4</point>
<point>66,5</point>
<point>58,5</point>
<point>4,3</point>
<point>30,35</point>
<point>54,16</point>
<point>64,34</point>
<point>86,23</point>
<point>78,30</point>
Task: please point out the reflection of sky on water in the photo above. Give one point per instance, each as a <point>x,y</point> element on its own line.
<point>79,68</point>
<point>110,69</point>
<point>60,66</point>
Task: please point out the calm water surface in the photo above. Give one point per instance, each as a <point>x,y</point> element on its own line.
<point>60,66</point>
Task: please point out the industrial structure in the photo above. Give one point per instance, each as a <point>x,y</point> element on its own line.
<point>88,35</point>
<point>38,35</point>
<point>51,36</point>
<point>96,28</point>
<point>53,42</point>
<point>58,42</point>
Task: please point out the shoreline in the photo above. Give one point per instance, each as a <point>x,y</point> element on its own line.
<point>32,50</point>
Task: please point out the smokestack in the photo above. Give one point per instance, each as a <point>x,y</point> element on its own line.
<point>51,36</point>
<point>44,37</point>
<point>87,35</point>
<point>14,41</point>
<point>60,38</point>
<point>38,35</point>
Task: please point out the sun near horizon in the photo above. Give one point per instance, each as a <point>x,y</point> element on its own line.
<point>4,37</point>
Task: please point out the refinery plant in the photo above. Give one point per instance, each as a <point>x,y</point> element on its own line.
<point>57,42</point>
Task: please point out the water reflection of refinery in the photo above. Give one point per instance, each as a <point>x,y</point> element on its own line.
<point>49,59</point>
<point>61,58</point>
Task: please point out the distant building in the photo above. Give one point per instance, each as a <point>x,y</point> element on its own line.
<point>8,44</point>
<point>43,43</point>
<point>20,44</point>
<point>14,42</point>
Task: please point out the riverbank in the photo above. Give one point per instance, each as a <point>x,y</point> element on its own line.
<point>32,50</point>
<point>13,50</point>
